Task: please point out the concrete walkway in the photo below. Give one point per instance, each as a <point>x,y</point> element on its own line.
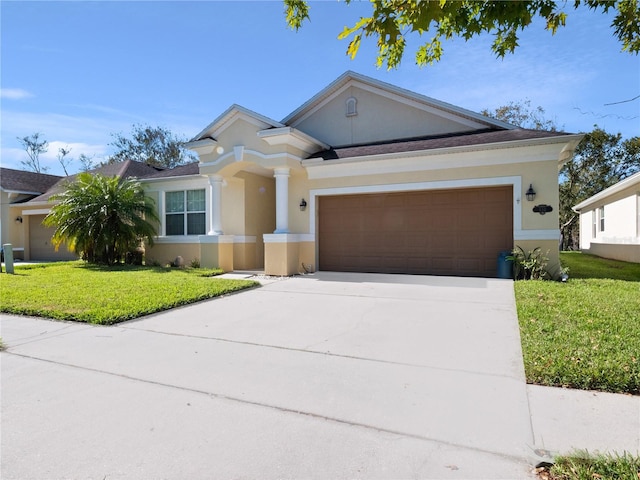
<point>320,376</point>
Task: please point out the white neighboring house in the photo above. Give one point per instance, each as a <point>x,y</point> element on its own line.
<point>610,221</point>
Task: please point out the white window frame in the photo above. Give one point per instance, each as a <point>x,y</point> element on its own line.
<point>601,218</point>
<point>185,213</point>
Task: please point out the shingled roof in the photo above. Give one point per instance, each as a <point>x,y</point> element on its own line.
<point>126,169</point>
<point>179,171</point>
<point>21,181</point>
<point>465,139</point>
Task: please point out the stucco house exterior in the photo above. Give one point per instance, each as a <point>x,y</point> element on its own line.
<point>364,176</point>
<point>16,188</point>
<point>610,221</point>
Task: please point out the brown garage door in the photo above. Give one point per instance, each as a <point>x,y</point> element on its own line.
<point>40,246</point>
<point>438,232</point>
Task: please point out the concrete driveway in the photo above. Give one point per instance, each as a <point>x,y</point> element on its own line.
<point>320,376</point>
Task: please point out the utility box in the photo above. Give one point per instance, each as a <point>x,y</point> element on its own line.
<point>7,253</point>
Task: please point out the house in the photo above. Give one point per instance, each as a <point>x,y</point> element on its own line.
<point>26,201</point>
<point>16,188</point>
<point>365,177</point>
<point>610,221</point>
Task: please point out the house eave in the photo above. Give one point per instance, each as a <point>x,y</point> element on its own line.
<point>293,137</point>
<point>607,192</point>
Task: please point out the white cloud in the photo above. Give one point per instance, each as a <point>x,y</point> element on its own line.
<point>14,93</point>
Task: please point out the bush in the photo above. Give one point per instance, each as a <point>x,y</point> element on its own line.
<point>531,265</point>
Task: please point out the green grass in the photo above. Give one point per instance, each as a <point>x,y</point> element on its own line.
<point>106,295</point>
<point>585,333</point>
<point>586,467</point>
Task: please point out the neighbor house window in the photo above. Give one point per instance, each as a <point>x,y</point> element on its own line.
<point>185,212</point>
<point>601,218</point>
<point>594,224</point>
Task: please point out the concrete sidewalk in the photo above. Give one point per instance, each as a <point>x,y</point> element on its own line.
<point>321,376</point>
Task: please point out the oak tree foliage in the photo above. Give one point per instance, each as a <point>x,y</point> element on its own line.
<point>155,146</point>
<point>392,21</point>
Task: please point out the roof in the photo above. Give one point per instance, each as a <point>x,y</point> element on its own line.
<point>179,171</point>
<point>464,139</point>
<point>126,169</point>
<point>229,114</point>
<point>21,181</point>
<point>628,182</point>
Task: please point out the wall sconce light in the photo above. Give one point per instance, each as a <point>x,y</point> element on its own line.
<point>18,219</point>
<point>542,209</point>
<point>303,205</point>
<point>531,193</point>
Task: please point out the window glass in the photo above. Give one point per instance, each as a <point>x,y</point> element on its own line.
<point>175,224</point>
<point>174,201</point>
<point>601,214</point>
<point>195,201</point>
<point>195,224</point>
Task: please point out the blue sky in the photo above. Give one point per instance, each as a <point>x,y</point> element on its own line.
<point>77,72</point>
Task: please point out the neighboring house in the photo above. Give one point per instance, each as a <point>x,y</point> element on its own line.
<point>28,235</point>
<point>16,188</point>
<point>610,221</point>
<point>364,177</point>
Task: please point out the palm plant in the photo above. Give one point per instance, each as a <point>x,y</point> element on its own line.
<point>102,218</point>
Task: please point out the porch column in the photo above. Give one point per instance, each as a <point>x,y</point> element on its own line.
<point>282,200</point>
<point>215,200</point>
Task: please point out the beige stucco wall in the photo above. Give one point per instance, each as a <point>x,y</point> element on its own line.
<point>282,258</point>
<point>165,253</point>
<point>259,214</point>
<point>549,249</point>
<point>379,118</point>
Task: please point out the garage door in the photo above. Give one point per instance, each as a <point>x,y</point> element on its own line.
<point>40,245</point>
<point>438,232</point>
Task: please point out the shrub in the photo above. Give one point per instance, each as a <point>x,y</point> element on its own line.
<point>531,265</point>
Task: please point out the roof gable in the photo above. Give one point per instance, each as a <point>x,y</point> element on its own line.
<point>228,117</point>
<point>380,112</point>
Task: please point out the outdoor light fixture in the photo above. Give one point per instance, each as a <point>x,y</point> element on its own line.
<point>18,219</point>
<point>531,193</point>
<point>542,209</point>
<point>303,205</point>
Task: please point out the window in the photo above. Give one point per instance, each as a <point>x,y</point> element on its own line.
<point>601,218</point>
<point>352,109</point>
<point>594,224</point>
<point>185,212</point>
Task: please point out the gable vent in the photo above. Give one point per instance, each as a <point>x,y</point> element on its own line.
<point>352,107</point>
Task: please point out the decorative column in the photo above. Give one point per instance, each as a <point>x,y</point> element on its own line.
<point>215,199</point>
<point>282,200</point>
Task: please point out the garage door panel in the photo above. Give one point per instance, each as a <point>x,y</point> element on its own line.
<point>442,232</point>
<point>40,244</point>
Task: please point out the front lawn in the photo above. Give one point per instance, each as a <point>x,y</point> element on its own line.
<point>105,295</point>
<point>585,333</point>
